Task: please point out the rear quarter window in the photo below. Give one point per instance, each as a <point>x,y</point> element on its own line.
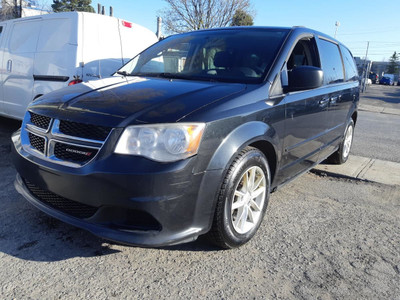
<point>331,62</point>
<point>351,73</point>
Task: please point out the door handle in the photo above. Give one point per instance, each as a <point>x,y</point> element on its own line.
<point>334,99</point>
<point>9,65</point>
<point>323,102</point>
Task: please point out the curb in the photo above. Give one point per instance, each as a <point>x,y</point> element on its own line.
<point>365,169</point>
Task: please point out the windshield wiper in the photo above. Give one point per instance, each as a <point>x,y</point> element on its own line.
<point>124,73</point>
<point>162,75</point>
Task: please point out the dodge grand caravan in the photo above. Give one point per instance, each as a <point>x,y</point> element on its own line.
<point>191,136</point>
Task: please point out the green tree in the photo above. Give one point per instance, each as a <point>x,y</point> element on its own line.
<point>393,67</point>
<point>72,5</point>
<point>242,18</point>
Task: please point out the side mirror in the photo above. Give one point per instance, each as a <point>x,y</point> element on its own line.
<point>305,78</point>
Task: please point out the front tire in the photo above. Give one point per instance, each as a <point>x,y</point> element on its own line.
<point>242,200</point>
<point>342,154</point>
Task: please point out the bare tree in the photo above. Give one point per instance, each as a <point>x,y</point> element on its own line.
<point>11,9</point>
<point>186,15</point>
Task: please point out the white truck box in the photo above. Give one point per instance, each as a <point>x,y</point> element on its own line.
<point>44,53</point>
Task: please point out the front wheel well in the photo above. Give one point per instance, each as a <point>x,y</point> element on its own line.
<point>354,117</point>
<point>269,151</point>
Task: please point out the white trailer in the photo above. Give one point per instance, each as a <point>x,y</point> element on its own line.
<point>44,53</point>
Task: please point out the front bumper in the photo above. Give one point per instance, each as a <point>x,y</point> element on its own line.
<point>131,200</point>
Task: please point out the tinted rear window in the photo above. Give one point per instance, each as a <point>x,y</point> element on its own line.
<point>331,62</point>
<point>350,66</point>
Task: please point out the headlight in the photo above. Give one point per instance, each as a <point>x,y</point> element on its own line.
<point>161,142</point>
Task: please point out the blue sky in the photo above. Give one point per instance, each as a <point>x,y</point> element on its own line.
<point>360,21</point>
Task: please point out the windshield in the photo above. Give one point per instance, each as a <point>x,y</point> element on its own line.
<point>241,55</point>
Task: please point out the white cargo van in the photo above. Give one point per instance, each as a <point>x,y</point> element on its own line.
<point>44,53</point>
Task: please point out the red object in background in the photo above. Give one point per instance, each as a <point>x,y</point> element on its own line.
<point>127,24</point>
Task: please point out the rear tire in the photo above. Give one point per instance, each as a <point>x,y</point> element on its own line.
<point>342,154</point>
<point>242,200</point>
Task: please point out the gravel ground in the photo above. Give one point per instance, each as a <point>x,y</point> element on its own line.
<point>322,238</point>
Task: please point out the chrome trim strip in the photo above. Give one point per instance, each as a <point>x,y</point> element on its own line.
<point>33,128</point>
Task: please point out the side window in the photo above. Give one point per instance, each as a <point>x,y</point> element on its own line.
<point>50,38</point>
<point>349,65</point>
<point>24,37</point>
<point>331,62</point>
<point>304,54</point>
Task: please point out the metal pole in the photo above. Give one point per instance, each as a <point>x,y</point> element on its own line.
<point>337,24</point>
<point>159,24</point>
<point>365,69</point>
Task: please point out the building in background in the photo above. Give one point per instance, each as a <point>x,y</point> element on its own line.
<point>379,67</point>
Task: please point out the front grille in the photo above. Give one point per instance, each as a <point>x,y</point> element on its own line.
<point>75,209</point>
<point>37,142</point>
<point>40,121</point>
<point>73,153</point>
<point>86,131</point>
<point>64,142</point>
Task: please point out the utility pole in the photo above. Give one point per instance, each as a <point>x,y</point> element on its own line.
<point>365,69</point>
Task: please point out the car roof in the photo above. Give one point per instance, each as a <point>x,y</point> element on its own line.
<point>294,29</point>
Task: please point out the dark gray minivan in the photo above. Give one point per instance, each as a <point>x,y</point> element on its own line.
<point>190,136</point>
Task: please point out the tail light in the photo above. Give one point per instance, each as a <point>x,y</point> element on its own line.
<point>75,81</point>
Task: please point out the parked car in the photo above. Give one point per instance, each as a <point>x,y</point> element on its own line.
<point>387,79</point>
<point>191,136</point>
<point>374,77</point>
<point>44,53</point>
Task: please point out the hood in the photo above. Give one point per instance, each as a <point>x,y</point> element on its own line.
<point>120,101</point>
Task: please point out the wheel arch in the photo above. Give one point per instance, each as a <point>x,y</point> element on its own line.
<point>255,134</point>
<point>270,153</point>
<point>354,117</point>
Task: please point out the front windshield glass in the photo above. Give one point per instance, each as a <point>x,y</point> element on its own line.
<point>241,55</point>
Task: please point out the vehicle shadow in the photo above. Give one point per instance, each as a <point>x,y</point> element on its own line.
<point>392,96</point>
<point>8,126</point>
<point>27,233</point>
<point>202,244</point>
<point>385,99</point>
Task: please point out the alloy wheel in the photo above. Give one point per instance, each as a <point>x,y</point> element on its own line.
<point>248,200</point>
